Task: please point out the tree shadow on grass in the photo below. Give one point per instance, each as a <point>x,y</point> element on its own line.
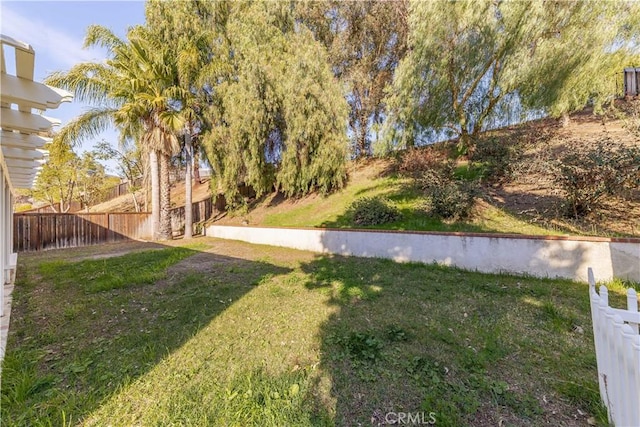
<point>81,330</point>
<point>447,344</point>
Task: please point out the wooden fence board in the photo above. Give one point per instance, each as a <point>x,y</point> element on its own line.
<point>202,211</point>
<point>41,231</point>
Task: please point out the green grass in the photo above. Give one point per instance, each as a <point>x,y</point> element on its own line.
<point>138,269</point>
<point>330,209</point>
<point>227,333</point>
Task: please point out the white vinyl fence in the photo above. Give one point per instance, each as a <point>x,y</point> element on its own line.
<point>617,343</point>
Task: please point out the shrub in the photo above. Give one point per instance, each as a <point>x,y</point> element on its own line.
<point>495,158</point>
<point>588,177</point>
<point>434,173</point>
<point>416,161</point>
<point>452,199</point>
<point>631,117</point>
<point>449,198</point>
<point>372,211</point>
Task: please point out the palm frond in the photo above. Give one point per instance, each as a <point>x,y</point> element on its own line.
<point>90,82</point>
<point>97,35</point>
<point>86,126</point>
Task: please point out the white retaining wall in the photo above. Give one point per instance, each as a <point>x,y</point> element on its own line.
<point>546,256</point>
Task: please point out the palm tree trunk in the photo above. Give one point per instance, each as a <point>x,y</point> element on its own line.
<point>188,190</point>
<point>155,194</point>
<point>196,166</point>
<point>165,199</point>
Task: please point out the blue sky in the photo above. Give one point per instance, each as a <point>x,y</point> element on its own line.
<point>56,30</point>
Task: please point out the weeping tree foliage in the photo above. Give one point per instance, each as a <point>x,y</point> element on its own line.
<point>471,63</point>
<point>365,39</point>
<point>281,119</point>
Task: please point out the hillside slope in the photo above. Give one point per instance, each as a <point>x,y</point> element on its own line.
<point>125,203</point>
<point>529,203</point>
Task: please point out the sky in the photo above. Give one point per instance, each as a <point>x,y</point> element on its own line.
<point>56,30</point>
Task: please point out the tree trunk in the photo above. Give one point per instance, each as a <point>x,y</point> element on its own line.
<point>147,189</point>
<point>188,191</point>
<point>464,143</point>
<point>155,194</point>
<point>136,205</point>
<point>165,199</point>
<point>565,120</point>
<point>196,166</point>
<point>362,137</point>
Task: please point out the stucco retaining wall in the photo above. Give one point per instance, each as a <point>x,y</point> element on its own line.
<point>544,256</point>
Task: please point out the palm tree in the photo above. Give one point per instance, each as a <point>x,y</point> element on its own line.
<point>192,59</point>
<point>196,32</point>
<point>133,90</point>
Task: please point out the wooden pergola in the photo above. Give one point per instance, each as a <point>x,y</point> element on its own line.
<point>23,133</point>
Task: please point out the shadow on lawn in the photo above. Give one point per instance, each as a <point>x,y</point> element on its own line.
<point>447,344</point>
<point>82,330</point>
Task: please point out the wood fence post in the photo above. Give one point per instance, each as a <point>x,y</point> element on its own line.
<point>106,227</point>
<point>38,232</point>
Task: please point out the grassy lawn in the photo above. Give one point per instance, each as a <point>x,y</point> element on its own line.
<point>226,333</point>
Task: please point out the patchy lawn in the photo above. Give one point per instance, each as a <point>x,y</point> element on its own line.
<point>226,333</point>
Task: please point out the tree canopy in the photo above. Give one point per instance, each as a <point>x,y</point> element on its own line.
<point>67,177</point>
<point>280,122</point>
<point>365,41</point>
<point>471,63</point>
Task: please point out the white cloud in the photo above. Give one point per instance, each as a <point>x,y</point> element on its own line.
<point>62,49</point>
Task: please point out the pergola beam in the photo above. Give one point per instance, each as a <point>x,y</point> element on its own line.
<point>21,140</point>
<point>22,154</point>
<point>30,94</point>
<point>25,122</point>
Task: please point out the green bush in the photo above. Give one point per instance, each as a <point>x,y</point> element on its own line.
<point>451,199</point>
<point>433,172</point>
<point>372,211</point>
<point>588,177</point>
<point>495,158</point>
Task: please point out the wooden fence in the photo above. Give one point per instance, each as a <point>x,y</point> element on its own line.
<point>41,231</point>
<point>617,342</point>
<point>36,231</point>
<point>119,190</point>
<point>202,211</point>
